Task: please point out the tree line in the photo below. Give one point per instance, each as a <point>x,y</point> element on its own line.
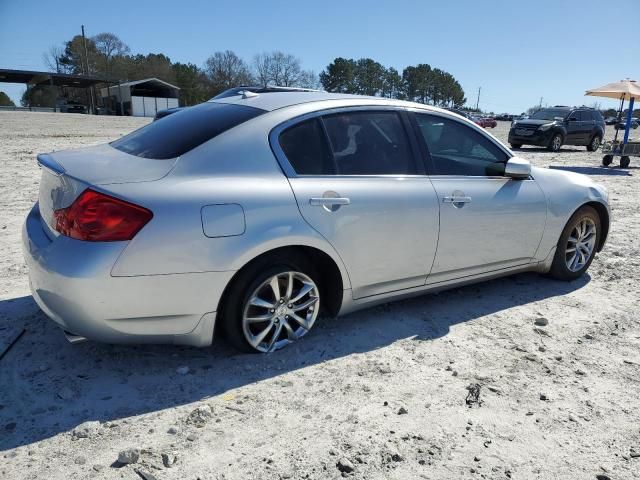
<point>106,55</point>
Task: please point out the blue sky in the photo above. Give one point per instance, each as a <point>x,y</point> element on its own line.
<point>516,51</point>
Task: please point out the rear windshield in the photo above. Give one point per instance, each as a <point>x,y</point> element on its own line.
<point>180,132</point>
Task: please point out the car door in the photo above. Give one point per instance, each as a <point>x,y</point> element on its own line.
<point>588,123</point>
<point>575,130</point>
<point>357,182</point>
<point>488,222</point>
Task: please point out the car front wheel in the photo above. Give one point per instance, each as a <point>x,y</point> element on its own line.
<point>269,308</point>
<point>577,245</point>
<point>555,143</point>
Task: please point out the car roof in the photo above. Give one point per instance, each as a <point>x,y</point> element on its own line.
<point>276,100</point>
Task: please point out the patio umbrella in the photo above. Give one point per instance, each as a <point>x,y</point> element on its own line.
<point>622,90</point>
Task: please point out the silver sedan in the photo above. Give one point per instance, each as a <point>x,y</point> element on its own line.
<point>251,214</point>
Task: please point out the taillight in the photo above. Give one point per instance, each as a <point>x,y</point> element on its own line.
<point>96,217</point>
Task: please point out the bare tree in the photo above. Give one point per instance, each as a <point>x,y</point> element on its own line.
<point>227,70</point>
<point>109,46</point>
<point>262,66</point>
<point>285,69</point>
<point>308,79</point>
<point>52,58</point>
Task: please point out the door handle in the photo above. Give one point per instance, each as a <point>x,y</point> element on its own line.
<point>456,199</point>
<point>327,201</point>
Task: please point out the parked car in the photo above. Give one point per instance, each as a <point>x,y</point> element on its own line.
<point>556,126</point>
<point>462,113</point>
<point>611,120</point>
<point>622,124</point>
<point>487,122</point>
<point>249,216</point>
<point>71,106</point>
<point>505,117</point>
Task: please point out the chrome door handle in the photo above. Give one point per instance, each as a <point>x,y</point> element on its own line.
<point>324,201</point>
<point>456,199</point>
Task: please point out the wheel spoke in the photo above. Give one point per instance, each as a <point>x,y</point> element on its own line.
<point>291,334</point>
<point>306,288</point>
<point>257,339</point>
<point>274,339</point>
<point>303,323</point>
<point>259,318</point>
<point>289,285</point>
<point>258,302</point>
<point>275,286</point>
<point>571,261</point>
<point>305,305</point>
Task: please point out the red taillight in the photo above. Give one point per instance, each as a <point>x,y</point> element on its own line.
<point>96,217</point>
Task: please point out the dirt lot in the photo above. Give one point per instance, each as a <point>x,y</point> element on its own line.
<point>380,393</point>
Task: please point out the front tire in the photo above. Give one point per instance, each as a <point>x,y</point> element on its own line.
<point>577,245</point>
<point>625,161</point>
<point>271,305</point>
<point>606,160</point>
<point>555,143</point>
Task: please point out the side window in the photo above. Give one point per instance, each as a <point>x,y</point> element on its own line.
<point>458,149</point>
<point>369,143</point>
<point>575,116</point>
<point>306,148</point>
<point>587,116</point>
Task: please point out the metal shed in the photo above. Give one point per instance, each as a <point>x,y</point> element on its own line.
<point>141,98</point>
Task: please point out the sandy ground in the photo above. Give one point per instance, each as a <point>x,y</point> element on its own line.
<point>374,395</point>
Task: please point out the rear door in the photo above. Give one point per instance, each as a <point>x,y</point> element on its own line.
<point>488,221</point>
<point>357,182</point>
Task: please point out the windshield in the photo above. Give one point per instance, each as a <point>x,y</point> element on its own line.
<point>549,114</point>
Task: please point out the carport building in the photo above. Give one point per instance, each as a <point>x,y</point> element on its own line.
<point>140,98</point>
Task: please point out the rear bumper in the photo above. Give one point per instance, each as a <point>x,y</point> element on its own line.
<point>540,139</point>
<point>72,283</point>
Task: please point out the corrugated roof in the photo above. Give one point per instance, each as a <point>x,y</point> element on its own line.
<point>146,80</point>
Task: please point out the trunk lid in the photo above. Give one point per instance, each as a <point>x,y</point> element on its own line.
<point>68,173</point>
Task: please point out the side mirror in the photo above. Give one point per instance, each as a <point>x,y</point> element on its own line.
<point>573,119</point>
<point>517,168</point>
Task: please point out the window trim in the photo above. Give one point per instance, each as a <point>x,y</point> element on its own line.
<point>290,172</point>
<point>426,154</point>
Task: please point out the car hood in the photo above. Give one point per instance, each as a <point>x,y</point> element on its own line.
<point>534,122</point>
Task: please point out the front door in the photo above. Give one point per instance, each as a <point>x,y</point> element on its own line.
<point>488,222</point>
<point>357,182</point>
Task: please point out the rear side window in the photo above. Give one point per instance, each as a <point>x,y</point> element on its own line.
<point>180,132</point>
<point>306,148</point>
<point>350,143</point>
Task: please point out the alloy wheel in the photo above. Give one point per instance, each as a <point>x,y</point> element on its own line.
<point>556,143</point>
<point>280,311</point>
<point>580,244</point>
<point>595,143</point>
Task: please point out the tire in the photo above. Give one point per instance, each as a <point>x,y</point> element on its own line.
<point>594,144</point>
<point>555,143</point>
<point>516,145</point>
<point>566,266</point>
<point>255,283</point>
<point>606,160</point>
<point>625,161</point>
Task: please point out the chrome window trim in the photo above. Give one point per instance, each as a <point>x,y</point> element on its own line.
<point>288,169</point>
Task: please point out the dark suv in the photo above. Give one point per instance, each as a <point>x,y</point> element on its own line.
<point>556,126</point>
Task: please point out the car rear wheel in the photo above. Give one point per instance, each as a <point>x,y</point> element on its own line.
<point>625,161</point>
<point>555,143</point>
<point>577,245</point>
<point>516,145</point>
<point>270,308</point>
<point>594,144</point>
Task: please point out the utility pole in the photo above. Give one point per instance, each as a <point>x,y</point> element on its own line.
<point>540,106</point>
<point>86,59</point>
<point>478,99</point>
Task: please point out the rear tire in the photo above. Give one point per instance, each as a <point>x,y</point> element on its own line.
<point>516,146</point>
<point>577,245</point>
<point>256,285</point>
<point>555,143</point>
<point>594,144</point>
<point>606,160</point>
<point>625,161</point>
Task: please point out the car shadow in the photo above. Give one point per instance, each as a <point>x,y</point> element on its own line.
<point>611,171</point>
<point>50,386</point>
<point>545,150</point>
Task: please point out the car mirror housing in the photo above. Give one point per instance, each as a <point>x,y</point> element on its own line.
<point>518,168</point>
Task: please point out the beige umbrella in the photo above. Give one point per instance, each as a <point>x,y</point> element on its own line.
<point>622,90</point>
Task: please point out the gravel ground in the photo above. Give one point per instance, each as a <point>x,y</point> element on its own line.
<point>521,378</point>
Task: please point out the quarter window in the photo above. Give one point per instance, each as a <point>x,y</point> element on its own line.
<point>350,143</point>
<point>457,149</point>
